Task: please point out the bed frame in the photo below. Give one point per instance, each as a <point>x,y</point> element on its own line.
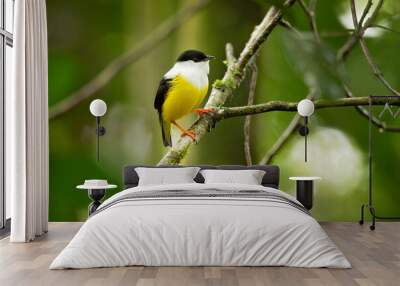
<point>270,179</point>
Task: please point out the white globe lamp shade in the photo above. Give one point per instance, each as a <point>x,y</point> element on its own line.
<point>305,107</point>
<point>98,107</point>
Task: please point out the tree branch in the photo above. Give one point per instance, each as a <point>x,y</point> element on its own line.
<point>293,125</point>
<point>228,112</point>
<point>385,28</point>
<point>118,64</point>
<point>364,14</point>
<point>326,34</point>
<point>287,25</point>
<point>247,121</point>
<point>344,51</point>
<point>332,34</point>
<point>377,72</point>
<point>356,25</point>
<point>231,80</point>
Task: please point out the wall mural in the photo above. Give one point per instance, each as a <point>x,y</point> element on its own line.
<point>119,51</point>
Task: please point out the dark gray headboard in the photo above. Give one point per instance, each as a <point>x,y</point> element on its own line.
<point>271,177</point>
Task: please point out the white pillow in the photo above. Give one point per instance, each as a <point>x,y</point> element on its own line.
<point>248,177</point>
<point>165,176</point>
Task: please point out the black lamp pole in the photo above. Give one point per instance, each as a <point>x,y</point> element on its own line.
<point>100,131</point>
<point>305,138</point>
<point>303,130</point>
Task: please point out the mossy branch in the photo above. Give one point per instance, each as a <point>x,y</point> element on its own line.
<point>176,155</point>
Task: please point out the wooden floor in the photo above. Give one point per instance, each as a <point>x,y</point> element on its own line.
<point>375,257</point>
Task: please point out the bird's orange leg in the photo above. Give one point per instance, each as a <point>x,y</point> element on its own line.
<point>201,111</point>
<point>185,132</point>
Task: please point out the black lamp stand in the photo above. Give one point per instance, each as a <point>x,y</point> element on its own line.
<point>303,130</point>
<point>100,131</point>
<point>369,205</point>
<point>95,195</point>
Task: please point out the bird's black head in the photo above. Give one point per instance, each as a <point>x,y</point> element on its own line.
<point>193,55</point>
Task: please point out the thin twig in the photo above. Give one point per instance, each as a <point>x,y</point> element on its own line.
<point>358,32</point>
<point>326,34</point>
<point>331,34</point>
<point>118,64</point>
<point>372,18</point>
<point>352,40</point>
<point>377,72</point>
<point>287,25</point>
<point>345,50</point>
<point>247,120</point>
<point>354,16</point>
<point>310,13</point>
<point>222,89</point>
<point>385,28</point>
<point>364,13</point>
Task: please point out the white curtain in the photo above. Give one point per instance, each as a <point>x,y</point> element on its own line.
<point>27,124</point>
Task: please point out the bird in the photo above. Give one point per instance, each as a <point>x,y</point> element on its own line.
<point>181,90</point>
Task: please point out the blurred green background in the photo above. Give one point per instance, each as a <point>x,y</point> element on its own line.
<point>84,36</point>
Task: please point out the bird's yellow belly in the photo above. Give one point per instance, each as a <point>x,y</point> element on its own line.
<point>181,99</point>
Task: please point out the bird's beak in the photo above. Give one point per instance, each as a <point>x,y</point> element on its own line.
<point>209,57</point>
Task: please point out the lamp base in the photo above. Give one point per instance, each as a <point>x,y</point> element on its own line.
<point>95,195</point>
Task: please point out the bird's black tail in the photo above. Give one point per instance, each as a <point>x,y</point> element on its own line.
<point>166,131</point>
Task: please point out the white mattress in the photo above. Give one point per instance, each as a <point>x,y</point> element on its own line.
<point>200,231</point>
